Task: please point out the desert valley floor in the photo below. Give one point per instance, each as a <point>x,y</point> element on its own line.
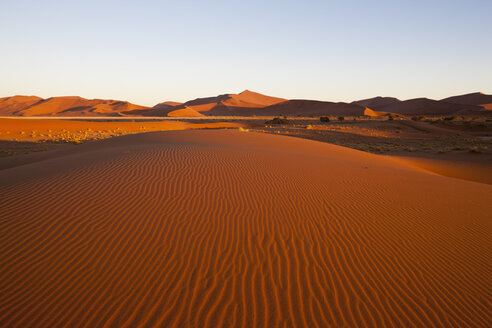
<point>223,228</point>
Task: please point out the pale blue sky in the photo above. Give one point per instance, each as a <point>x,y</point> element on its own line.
<point>151,51</point>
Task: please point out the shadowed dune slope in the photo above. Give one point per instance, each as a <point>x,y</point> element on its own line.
<point>218,228</point>
<point>476,98</point>
<point>167,104</point>
<point>424,106</point>
<point>313,107</point>
<point>377,102</point>
<point>12,105</point>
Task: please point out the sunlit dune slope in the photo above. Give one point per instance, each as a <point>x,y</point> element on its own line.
<point>218,228</point>
<point>187,112</point>
<point>70,106</point>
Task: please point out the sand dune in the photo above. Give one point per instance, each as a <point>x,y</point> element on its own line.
<point>233,229</point>
<point>424,106</point>
<point>249,103</point>
<point>167,104</point>
<point>373,113</point>
<point>476,98</point>
<point>69,106</point>
<point>185,112</point>
<point>246,98</point>
<point>312,107</point>
<point>377,102</point>
<point>227,104</point>
<point>246,103</point>
<point>479,170</point>
<point>249,98</point>
<point>15,104</point>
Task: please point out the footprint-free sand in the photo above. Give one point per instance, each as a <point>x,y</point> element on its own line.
<point>222,228</point>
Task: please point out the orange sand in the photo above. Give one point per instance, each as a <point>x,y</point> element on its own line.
<point>478,170</point>
<point>39,129</point>
<point>220,228</point>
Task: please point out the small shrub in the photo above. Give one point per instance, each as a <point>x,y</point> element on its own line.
<point>475,150</point>
<point>324,119</point>
<point>341,118</point>
<point>278,120</point>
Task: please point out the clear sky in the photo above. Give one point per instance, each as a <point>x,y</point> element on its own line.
<point>151,51</point>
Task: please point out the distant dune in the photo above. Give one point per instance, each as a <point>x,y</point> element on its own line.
<point>237,229</point>
<point>66,106</point>
<point>425,106</point>
<point>167,105</point>
<point>312,107</point>
<point>232,104</point>
<point>377,103</point>
<point>16,104</point>
<point>476,98</point>
<point>246,103</point>
<point>185,112</point>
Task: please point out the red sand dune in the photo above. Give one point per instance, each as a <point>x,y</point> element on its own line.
<point>250,103</point>
<point>73,106</point>
<point>244,99</point>
<point>184,112</point>
<point>478,170</point>
<point>167,105</point>
<point>232,229</point>
<point>251,99</point>
<point>476,98</point>
<point>233,104</point>
<point>424,106</point>
<point>15,104</point>
<point>313,107</point>
<point>377,102</point>
<point>373,113</point>
<point>244,104</point>
<point>227,104</point>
